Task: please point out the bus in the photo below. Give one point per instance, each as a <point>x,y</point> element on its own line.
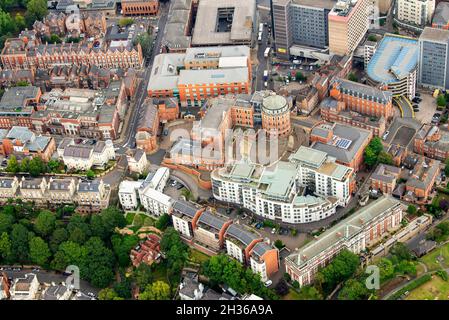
<point>267,52</point>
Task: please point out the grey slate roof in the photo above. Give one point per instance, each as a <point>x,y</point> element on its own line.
<point>185,207</point>
<point>78,151</point>
<point>241,234</point>
<point>441,15</point>
<point>260,248</point>
<point>212,220</point>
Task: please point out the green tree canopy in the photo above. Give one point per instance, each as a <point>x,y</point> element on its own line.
<point>354,290</point>
<point>13,164</point>
<point>158,290</point>
<point>45,223</point>
<point>39,251</point>
<point>36,10</point>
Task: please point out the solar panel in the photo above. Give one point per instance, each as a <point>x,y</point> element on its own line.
<point>242,235</point>
<point>343,143</point>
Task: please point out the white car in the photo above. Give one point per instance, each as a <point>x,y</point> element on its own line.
<point>385,135</point>
<point>273,231</point>
<point>268,283</point>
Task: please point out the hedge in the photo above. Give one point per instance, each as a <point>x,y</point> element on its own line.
<point>412,285</point>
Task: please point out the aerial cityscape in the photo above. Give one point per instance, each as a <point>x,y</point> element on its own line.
<point>257,150</point>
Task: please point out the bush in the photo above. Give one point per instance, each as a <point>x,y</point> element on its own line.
<point>442,274</point>
<point>412,285</point>
<point>279,244</point>
<point>295,284</point>
<point>268,223</point>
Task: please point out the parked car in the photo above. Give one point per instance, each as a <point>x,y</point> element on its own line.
<point>180,186</point>
<point>268,283</point>
<point>273,231</point>
<point>384,137</point>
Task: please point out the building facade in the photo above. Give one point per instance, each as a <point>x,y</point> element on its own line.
<point>356,233</point>
<point>434,58</point>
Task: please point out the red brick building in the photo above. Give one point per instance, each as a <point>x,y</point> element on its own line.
<point>140,7</point>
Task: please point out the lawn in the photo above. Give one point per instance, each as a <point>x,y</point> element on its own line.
<point>292,295</point>
<point>130,217</point>
<point>197,256</point>
<point>430,259</point>
<point>435,289</point>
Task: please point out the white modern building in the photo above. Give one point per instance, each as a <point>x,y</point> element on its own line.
<point>148,192</point>
<point>127,194</point>
<point>306,189</point>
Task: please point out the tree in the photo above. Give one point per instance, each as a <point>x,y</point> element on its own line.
<point>158,290</point>
<point>69,252</point>
<point>385,157</point>
<point>444,205</point>
<point>108,294</point>
<point>6,222</point>
<point>78,229</point>
<point>58,236</point>
<point>299,76</point>
<point>124,22</point>
<point>163,222</point>
<point>5,246</point>
<point>400,252</point>
<point>372,151</point>
<point>386,269</point>
<point>25,165</point>
<point>22,83</point>
<point>112,218</point>
<point>98,264</point>
<point>123,288</point>
<point>7,25</point>
<point>446,168</point>
<point>13,165</point>
<point>372,38</point>
<point>354,290</point>
<point>20,243</point>
<point>90,174</point>
<point>279,244</point>
<point>39,251</point>
<point>143,275</point>
<point>441,100</point>
<point>281,288</point>
<point>352,77</point>
<point>54,165</point>
<point>45,223</point>
<point>340,269</point>
<point>7,4</point>
<point>406,267</point>
<point>309,293</point>
<point>175,250</point>
<point>37,166</point>
<point>122,245</point>
<point>145,40</point>
<point>186,193</point>
<point>19,20</point>
<point>36,10</point>
<point>411,209</point>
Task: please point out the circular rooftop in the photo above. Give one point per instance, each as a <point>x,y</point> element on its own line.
<point>274,102</point>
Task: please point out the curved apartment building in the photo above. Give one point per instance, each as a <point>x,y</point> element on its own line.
<point>306,189</point>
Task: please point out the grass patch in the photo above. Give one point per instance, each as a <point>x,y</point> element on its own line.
<point>431,261</point>
<point>159,271</point>
<point>197,256</point>
<point>130,217</point>
<point>435,289</point>
<point>292,295</point>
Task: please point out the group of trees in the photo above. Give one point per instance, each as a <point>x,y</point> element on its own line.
<point>221,269</point>
<point>374,153</point>
<point>44,239</point>
<point>35,166</point>
<point>12,25</point>
<point>146,42</point>
<point>440,233</point>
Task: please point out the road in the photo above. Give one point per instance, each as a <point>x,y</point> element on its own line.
<point>141,92</point>
<point>263,63</point>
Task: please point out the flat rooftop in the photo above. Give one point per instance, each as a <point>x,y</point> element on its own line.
<point>395,58</point>
<point>319,4</point>
<point>212,26</point>
<point>434,34</point>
